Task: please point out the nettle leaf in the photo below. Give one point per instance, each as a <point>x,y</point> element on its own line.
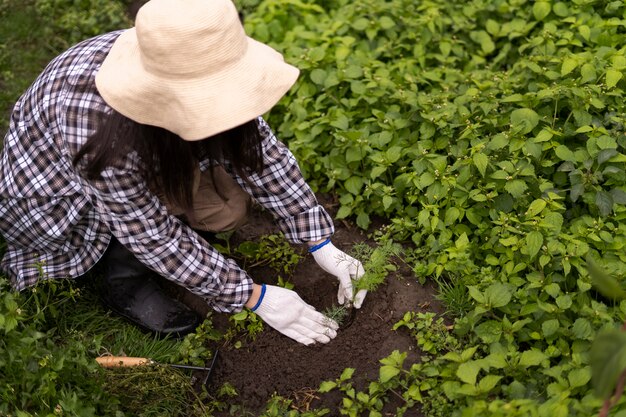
<point>582,329</point>
<point>543,136</point>
<point>564,153</point>
<point>608,360</point>
<point>475,293</point>
<point>569,65</point>
<point>393,153</point>
<point>549,327</point>
<point>481,161</point>
<point>524,119</point>
<point>579,377</point>
<point>588,73</point>
<point>318,76</point>
<point>387,372</point>
<point>484,40</point>
<point>516,188</point>
<point>612,77</point>
<point>327,386</point>
<point>354,184</point>
<point>386,22</point>
<point>497,295</point>
<point>532,357</point>
<point>488,383</point>
<point>604,201</point>
<point>605,283</point>
<point>535,208</point>
<point>534,241</point>
<point>541,9</point>
<point>468,371</point>
<point>489,331</point>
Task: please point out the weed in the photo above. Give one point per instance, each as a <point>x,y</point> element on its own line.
<point>271,250</point>
<point>337,313</point>
<point>244,325</point>
<point>454,294</point>
<point>377,263</point>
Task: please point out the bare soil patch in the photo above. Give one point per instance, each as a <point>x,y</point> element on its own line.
<point>274,364</point>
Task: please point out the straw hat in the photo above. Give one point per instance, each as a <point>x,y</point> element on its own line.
<point>188,66</point>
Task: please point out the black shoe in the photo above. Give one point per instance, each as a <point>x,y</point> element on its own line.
<point>131,290</point>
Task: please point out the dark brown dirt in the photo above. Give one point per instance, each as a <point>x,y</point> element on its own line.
<point>274,364</point>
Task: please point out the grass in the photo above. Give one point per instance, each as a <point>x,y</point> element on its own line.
<point>23,52</point>
<point>74,317</point>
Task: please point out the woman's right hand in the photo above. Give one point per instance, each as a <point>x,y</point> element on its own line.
<point>286,312</point>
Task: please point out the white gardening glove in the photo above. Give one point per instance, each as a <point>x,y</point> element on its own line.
<point>344,267</point>
<point>286,312</point>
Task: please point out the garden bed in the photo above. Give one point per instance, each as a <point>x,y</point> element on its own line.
<point>274,364</point>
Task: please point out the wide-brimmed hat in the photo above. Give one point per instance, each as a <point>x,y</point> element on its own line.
<point>188,66</point>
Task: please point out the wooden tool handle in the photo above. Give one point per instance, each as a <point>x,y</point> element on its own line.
<point>122,361</point>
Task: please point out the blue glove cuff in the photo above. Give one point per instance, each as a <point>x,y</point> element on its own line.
<point>258,303</point>
<point>319,246</point>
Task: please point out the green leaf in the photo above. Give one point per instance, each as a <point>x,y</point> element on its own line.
<point>354,185</point>
<point>569,65</point>
<point>582,329</point>
<point>481,161</point>
<point>343,212</point>
<point>549,327</point>
<point>608,360</point>
<point>612,77</point>
<point>607,285</point>
<point>579,377</point>
<point>327,386</point>
<point>524,119</point>
<point>476,294</point>
<point>516,188</point>
<point>363,220</point>
<point>564,153</point>
<point>318,76</point>
<point>535,208</point>
<point>387,372</point>
<point>497,295</point>
<point>468,371</point>
<point>531,357</point>
<point>541,9</point>
<point>489,331</point>
<point>604,201</point>
<point>488,383</point>
<point>543,136</point>
<point>484,40</point>
<point>386,22</point>
<point>588,73</point>
<point>534,240</point>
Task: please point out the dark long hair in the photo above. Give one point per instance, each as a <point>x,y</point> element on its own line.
<point>169,160</point>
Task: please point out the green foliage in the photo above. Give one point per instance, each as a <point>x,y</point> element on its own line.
<point>244,324</point>
<point>272,250</point>
<point>491,134</point>
<point>337,313</point>
<point>70,21</point>
<point>51,336</point>
<point>432,336</point>
<point>377,262</point>
<point>34,31</point>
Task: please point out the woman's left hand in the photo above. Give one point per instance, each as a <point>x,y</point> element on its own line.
<point>345,268</point>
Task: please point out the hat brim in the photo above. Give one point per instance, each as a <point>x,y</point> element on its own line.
<point>198,107</point>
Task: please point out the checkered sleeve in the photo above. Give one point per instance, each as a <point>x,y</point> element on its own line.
<point>282,190</point>
<point>162,242</point>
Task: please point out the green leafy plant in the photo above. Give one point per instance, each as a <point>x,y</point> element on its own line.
<point>244,324</point>
<point>337,313</point>
<point>272,250</point>
<point>377,263</point>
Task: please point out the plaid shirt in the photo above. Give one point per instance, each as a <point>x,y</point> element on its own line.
<point>58,224</point>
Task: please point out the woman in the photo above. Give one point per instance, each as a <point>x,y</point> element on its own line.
<point>129,142</point>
